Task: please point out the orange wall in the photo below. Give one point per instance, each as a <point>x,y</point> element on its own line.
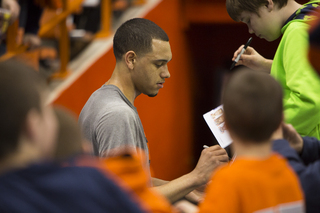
<point>167,117</point>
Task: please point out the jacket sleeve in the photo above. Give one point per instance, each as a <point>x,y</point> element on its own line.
<point>309,174</point>
<point>311,150</point>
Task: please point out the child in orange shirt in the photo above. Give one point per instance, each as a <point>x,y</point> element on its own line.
<point>258,180</point>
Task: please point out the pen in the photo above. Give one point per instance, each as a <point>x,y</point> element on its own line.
<point>242,51</point>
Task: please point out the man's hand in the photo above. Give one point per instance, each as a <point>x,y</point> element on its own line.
<point>293,137</point>
<point>176,189</point>
<point>252,59</point>
<point>210,159</point>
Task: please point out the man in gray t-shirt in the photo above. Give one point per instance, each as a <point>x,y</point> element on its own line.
<point>110,120</point>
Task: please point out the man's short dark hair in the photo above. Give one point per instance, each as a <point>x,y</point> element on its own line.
<point>252,103</point>
<point>19,93</point>
<point>236,7</point>
<point>136,35</point>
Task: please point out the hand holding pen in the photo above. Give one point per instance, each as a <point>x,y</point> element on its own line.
<point>241,52</point>
<point>230,159</point>
<point>252,59</point>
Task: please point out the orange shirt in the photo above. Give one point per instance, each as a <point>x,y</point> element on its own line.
<point>127,171</point>
<point>250,185</point>
<point>130,170</point>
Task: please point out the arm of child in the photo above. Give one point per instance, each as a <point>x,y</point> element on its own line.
<point>302,85</point>
<point>252,59</point>
<point>308,175</point>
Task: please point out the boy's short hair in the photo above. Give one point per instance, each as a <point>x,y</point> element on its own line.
<point>136,35</point>
<point>19,93</point>
<point>236,7</point>
<point>252,103</point>
<point>70,138</point>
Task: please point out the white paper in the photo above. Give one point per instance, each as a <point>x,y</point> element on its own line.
<point>215,121</point>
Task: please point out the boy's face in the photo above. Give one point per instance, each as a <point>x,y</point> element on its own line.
<point>266,25</point>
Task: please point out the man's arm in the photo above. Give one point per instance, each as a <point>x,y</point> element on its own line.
<point>176,189</point>
<point>158,182</point>
<point>116,130</point>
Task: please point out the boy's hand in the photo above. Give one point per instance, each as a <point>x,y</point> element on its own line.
<point>252,59</point>
<point>293,137</point>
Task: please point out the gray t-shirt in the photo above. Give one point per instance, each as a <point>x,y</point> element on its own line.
<point>110,121</point>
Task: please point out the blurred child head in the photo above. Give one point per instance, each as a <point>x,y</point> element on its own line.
<point>252,103</point>
<point>70,140</point>
<point>28,125</point>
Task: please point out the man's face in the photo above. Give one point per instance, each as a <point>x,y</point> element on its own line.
<point>266,25</point>
<point>151,70</point>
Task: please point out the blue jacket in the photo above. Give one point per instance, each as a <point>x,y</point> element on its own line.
<point>50,188</point>
<point>307,167</point>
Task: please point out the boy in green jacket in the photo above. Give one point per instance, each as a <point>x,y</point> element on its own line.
<point>269,19</point>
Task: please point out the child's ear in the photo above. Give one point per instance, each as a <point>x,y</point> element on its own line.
<point>270,5</point>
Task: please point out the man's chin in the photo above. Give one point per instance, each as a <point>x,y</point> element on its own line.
<point>152,95</point>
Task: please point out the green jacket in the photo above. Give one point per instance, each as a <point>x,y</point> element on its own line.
<point>301,84</point>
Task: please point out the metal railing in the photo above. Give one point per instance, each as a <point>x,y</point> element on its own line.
<point>68,7</point>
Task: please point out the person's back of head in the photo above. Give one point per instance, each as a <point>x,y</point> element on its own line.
<point>236,7</point>
<point>70,141</point>
<point>136,35</point>
<point>24,116</point>
<point>252,103</point>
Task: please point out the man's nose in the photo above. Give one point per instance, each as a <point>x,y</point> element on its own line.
<point>165,73</point>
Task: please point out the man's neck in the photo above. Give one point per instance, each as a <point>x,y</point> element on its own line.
<point>121,78</point>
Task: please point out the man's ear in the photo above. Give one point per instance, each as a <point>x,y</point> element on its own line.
<point>270,5</point>
<point>130,59</point>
